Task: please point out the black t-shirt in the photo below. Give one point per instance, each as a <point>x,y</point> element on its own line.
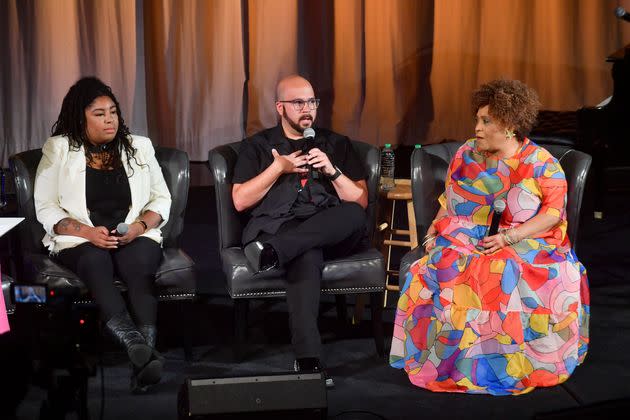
<point>107,195</point>
<point>288,198</point>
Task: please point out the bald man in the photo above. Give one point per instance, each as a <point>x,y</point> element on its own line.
<point>306,200</point>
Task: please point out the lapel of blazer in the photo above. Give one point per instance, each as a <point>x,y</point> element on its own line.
<point>134,184</point>
<point>76,179</point>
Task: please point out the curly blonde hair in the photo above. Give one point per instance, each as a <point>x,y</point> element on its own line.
<point>511,102</point>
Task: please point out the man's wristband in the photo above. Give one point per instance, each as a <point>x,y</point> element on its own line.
<point>336,175</point>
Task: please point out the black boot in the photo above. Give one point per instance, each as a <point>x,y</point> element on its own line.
<point>122,327</point>
<point>149,332</point>
<point>151,373</point>
<point>261,257</point>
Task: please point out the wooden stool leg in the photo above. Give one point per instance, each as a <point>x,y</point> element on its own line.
<point>388,257</point>
<point>413,230</point>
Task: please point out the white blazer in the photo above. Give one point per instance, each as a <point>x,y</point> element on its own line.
<point>60,189</point>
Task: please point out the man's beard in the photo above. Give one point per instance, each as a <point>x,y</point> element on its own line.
<point>296,125</point>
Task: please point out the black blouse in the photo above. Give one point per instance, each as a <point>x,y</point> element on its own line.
<point>107,195</point>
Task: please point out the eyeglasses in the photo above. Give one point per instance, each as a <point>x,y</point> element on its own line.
<point>298,104</point>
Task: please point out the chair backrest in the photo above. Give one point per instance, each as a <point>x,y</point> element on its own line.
<point>429,165</point>
<point>176,171</point>
<point>24,167</point>
<point>175,168</point>
<point>222,160</point>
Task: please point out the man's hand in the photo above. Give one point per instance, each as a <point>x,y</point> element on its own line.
<point>100,237</point>
<point>291,163</point>
<point>320,161</point>
<point>135,230</point>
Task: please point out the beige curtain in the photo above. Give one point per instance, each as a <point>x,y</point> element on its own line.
<point>46,46</point>
<point>558,47</point>
<point>195,74</point>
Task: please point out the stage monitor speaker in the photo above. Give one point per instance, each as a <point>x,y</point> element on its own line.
<point>281,395</point>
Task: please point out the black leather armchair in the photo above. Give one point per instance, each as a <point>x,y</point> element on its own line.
<point>175,279</point>
<point>428,172</point>
<point>359,273</point>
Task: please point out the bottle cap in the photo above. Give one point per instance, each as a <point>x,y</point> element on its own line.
<point>388,145</point>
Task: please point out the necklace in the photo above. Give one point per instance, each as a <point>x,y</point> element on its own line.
<point>100,156</point>
<point>98,148</point>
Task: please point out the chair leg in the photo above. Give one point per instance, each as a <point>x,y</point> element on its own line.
<point>188,322</point>
<point>342,308</point>
<point>376,307</point>
<point>241,310</point>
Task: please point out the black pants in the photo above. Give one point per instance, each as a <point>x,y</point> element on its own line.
<point>135,264</point>
<point>302,246</point>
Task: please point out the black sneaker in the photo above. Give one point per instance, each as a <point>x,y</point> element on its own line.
<point>261,257</point>
<point>312,364</point>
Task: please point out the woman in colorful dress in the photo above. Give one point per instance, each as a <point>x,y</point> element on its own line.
<point>496,314</point>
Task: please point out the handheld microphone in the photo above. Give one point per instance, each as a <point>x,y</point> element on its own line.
<point>621,13</point>
<point>122,228</point>
<point>499,207</point>
<point>309,135</point>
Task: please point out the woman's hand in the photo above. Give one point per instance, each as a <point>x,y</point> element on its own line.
<point>429,244</point>
<point>100,237</point>
<point>493,243</point>
<point>429,238</point>
<point>135,230</point>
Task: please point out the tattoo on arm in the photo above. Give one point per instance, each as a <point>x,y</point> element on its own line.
<point>65,225</point>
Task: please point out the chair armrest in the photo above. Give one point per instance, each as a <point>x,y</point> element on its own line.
<point>44,270</point>
<point>406,261</point>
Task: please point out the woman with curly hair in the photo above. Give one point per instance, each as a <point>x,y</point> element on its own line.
<point>503,313</point>
<point>94,175</point>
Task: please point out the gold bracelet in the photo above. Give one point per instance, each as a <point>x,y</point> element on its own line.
<point>507,235</point>
<point>428,238</point>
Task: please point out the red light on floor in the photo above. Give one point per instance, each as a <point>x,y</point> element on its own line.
<point>81,321</point>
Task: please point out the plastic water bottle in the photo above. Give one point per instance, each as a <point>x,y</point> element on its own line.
<point>388,162</point>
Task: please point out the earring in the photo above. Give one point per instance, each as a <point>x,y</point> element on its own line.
<point>509,134</point>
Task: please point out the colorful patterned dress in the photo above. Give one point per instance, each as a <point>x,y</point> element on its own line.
<point>502,323</point>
